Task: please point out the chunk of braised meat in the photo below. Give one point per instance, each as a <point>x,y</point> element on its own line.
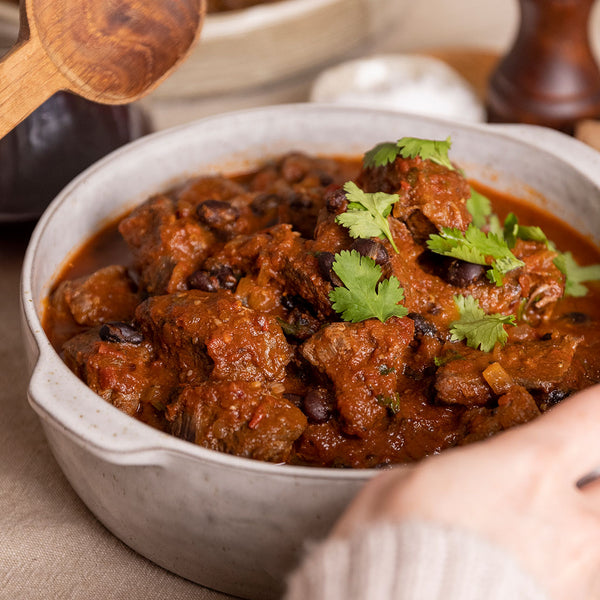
<point>538,365</point>
<point>417,430</point>
<point>242,418</point>
<point>212,334</point>
<point>460,380</point>
<point>273,263</point>
<point>303,275</point>
<point>127,375</point>
<point>431,281</point>
<point>584,370</point>
<point>542,284</point>
<point>299,183</point>
<point>170,236</point>
<point>108,294</point>
<point>167,248</point>
<point>428,193</point>
<point>515,407</point>
<point>365,362</point>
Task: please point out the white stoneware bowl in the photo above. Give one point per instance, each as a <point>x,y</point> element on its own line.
<point>235,524</point>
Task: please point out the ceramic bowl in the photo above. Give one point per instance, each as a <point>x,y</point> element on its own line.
<point>272,42</point>
<point>230,523</point>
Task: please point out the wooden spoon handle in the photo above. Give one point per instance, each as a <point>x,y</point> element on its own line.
<point>27,79</point>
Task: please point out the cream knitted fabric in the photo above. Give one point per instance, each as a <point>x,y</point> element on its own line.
<point>410,561</point>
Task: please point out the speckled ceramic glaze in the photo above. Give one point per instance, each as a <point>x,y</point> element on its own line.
<point>230,523</point>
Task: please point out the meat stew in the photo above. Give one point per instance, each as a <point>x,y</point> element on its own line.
<point>219,312</point>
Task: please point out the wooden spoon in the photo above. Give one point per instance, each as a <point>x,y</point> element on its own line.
<point>108,51</point>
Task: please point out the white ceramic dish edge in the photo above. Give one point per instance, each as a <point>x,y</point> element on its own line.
<point>122,468</point>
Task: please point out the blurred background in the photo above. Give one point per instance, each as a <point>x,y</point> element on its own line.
<point>433,57</point>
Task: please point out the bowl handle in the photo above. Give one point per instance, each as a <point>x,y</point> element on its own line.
<point>67,406</point>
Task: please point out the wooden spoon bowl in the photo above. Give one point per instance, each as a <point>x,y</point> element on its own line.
<point>108,51</point>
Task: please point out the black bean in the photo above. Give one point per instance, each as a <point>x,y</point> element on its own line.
<point>265,203</point>
<point>373,249</point>
<point>325,179</point>
<point>462,274</point>
<point>290,302</point>
<point>300,201</point>
<point>294,168</point>
<point>216,213</point>
<point>557,395</point>
<point>422,325</point>
<point>226,277</point>
<point>336,201</point>
<point>325,262</point>
<point>204,281</point>
<point>577,318</point>
<point>121,333</point>
<point>317,405</point>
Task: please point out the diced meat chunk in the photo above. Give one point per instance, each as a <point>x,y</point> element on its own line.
<point>108,294</point>
<point>213,334</point>
<point>365,362</point>
<point>167,249</point>
<point>515,407</point>
<point>460,380</point>
<point>439,194</point>
<point>418,429</point>
<point>125,375</point>
<point>242,418</point>
<point>535,364</point>
<point>538,364</point>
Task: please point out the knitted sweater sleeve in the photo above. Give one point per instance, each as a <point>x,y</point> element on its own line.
<point>408,561</point>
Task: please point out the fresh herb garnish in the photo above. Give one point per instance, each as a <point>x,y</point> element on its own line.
<point>409,147</point>
<point>364,297</point>
<point>480,208</point>
<point>513,231</point>
<point>479,329</point>
<point>434,150</point>
<point>575,276</point>
<point>381,155</point>
<point>475,246</point>
<point>367,214</point>
<point>392,403</point>
<point>440,361</point>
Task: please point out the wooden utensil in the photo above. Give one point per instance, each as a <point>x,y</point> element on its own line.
<point>108,51</point>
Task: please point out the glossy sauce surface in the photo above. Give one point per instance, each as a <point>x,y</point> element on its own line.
<point>227,337</point>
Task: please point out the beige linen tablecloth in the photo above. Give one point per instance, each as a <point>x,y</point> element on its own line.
<point>51,546</point>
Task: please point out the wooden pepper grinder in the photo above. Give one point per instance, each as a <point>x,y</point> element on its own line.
<point>549,76</point>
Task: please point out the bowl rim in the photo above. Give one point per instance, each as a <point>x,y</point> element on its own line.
<point>152,446</point>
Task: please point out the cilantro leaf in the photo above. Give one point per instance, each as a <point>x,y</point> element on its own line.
<point>434,150</point>
<point>475,246</point>
<point>381,155</point>
<point>452,242</point>
<point>364,297</point>
<point>367,214</point>
<point>575,276</point>
<point>476,327</point>
<point>512,231</point>
<point>480,208</point>
<point>392,403</point>
<point>409,147</point>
